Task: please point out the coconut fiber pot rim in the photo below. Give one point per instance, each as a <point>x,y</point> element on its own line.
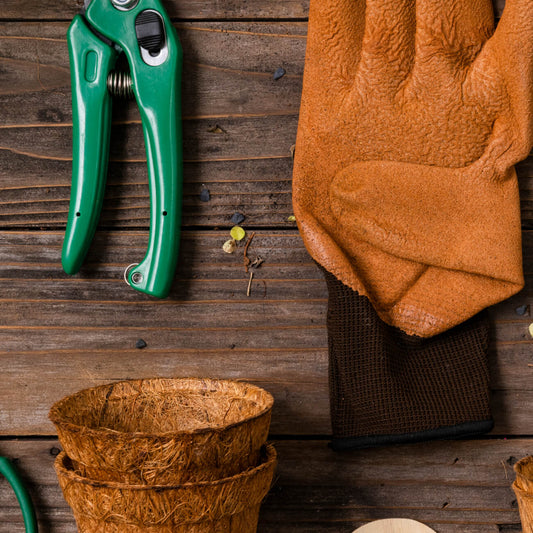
<point>199,507</point>
<point>57,417</point>
<point>63,466</point>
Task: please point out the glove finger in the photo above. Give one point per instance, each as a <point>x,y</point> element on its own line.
<point>335,35</point>
<point>511,50</point>
<point>451,34</point>
<point>388,44</point>
<point>515,28</point>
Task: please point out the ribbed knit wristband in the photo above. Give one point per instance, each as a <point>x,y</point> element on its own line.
<point>388,387</point>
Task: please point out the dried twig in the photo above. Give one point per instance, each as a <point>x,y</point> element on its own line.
<point>246,259</point>
<point>257,262</point>
<point>505,470</point>
<point>249,290</point>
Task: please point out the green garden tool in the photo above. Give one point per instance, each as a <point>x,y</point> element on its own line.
<point>142,31</point>
<point>8,470</point>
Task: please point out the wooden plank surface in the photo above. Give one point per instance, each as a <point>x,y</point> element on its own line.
<point>59,334</point>
<point>246,166</point>
<point>186,9</point>
<point>79,331</point>
<point>463,486</point>
<point>228,70</point>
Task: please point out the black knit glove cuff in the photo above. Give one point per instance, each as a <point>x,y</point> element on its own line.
<point>388,387</point>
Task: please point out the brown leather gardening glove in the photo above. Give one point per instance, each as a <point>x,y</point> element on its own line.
<point>413,114</point>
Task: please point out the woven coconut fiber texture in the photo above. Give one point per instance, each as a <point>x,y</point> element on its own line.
<point>525,506</point>
<point>524,474</point>
<point>228,505</point>
<point>162,431</point>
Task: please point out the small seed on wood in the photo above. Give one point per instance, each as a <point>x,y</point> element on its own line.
<point>216,129</point>
<point>205,195</point>
<point>237,233</point>
<point>280,72</point>
<point>229,246</point>
<point>237,218</point>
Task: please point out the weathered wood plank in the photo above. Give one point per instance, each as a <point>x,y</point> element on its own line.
<point>248,313</point>
<point>453,486</point>
<point>296,376</point>
<point>228,82</point>
<point>184,9</point>
<point>243,138</point>
<point>35,193</point>
<point>249,139</point>
<point>228,70</point>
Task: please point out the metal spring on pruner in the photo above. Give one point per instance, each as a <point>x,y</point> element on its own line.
<point>120,84</point>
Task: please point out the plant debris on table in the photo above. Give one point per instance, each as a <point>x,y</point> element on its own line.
<point>216,129</point>
<point>237,218</point>
<point>280,72</point>
<point>246,259</point>
<point>237,233</point>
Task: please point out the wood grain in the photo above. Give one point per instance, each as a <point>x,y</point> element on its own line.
<point>228,70</point>
<point>185,9</point>
<point>59,334</point>
<point>75,332</point>
<point>463,486</point>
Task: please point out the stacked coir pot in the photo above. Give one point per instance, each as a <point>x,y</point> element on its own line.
<point>165,455</point>
<point>523,488</point>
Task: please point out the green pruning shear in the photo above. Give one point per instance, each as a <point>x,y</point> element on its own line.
<point>8,470</point>
<point>142,31</point>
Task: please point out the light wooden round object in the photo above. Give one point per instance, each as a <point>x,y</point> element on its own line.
<point>395,525</point>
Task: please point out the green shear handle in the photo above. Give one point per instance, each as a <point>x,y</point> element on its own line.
<point>8,470</point>
<point>143,32</point>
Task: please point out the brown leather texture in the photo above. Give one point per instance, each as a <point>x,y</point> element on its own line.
<point>413,115</point>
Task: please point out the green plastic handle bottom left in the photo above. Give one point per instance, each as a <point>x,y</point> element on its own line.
<point>8,470</point>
